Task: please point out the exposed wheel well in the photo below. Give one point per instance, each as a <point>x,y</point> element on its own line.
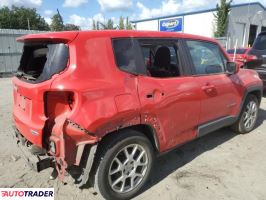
<point>147,130</point>
<point>89,173</point>
<point>150,133</point>
<point>257,94</point>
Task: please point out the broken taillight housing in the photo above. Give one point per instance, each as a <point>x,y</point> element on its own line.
<point>52,147</point>
<point>249,58</point>
<point>58,103</point>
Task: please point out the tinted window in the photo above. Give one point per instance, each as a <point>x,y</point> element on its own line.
<point>160,58</point>
<point>224,59</point>
<point>128,55</point>
<point>206,57</point>
<point>238,51</point>
<point>260,42</point>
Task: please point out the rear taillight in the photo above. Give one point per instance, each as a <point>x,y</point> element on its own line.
<point>240,59</point>
<point>58,103</point>
<point>249,58</point>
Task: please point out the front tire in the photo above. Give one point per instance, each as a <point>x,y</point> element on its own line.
<point>125,162</point>
<point>248,116</point>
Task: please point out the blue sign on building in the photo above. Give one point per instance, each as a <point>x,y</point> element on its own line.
<point>172,25</point>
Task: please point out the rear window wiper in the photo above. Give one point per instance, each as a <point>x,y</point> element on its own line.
<point>18,74</point>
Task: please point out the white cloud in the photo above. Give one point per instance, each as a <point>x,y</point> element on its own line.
<point>49,12</point>
<point>47,15</point>
<point>48,20</point>
<point>74,3</point>
<point>25,3</point>
<point>169,7</point>
<point>83,22</point>
<point>115,5</point>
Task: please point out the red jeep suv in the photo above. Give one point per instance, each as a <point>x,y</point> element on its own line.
<point>101,104</point>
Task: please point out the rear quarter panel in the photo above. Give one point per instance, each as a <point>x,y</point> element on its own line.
<point>107,98</point>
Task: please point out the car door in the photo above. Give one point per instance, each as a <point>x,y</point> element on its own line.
<point>170,103</point>
<point>218,94</point>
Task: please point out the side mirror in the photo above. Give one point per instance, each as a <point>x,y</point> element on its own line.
<point>231,68</point>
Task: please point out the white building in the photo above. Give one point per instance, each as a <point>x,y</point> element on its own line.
<point>245,22</point>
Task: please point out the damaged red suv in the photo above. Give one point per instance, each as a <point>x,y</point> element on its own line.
<point>102,104</point>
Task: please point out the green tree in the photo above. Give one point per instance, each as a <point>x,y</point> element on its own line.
<point>110,24</point>
<point>128,24</point>
<point>121,25</point>
<point>71,27</point>
<point>97,25</point>
<point>221,17</point>
<point>21,18</point>
<point>100,26</point>
<point>57,22</point>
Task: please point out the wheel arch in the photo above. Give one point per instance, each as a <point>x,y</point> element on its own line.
<point>256,90</point>
<point>145,129</point>
<point>256,93</point>
<point>90,155</point>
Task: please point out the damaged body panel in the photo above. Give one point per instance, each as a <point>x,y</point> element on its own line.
<point>79,94</point>
<point>80,106</point>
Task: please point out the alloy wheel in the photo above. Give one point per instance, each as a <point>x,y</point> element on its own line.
<point>250,115</point>
<point>128,168</point>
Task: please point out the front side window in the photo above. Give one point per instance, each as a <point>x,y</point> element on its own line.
<point>206,57</point>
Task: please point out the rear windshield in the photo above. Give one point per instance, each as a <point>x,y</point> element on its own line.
<point>238,51</point>
<point>39,62</point>
<point>260,42</point>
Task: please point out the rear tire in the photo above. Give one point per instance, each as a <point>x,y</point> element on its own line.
<point>248,115</point>
<point>124,165</point>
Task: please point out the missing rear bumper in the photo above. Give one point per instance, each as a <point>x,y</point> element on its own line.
<point>35,156</point>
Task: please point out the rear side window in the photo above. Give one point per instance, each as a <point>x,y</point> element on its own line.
<point>151,57</point>
<point>39,62</point>
<point>260,42</point>
<point>206,57</point>
<point>160,57</point>
<point>128,55</point>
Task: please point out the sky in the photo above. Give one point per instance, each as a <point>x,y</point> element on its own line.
<point>82,12</point>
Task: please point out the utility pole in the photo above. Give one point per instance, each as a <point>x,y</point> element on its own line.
<point>28,23</point>
<point>60,17</point>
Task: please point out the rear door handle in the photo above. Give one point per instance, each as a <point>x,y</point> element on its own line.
<point>154,94</point>
<point>148,96</point>
<point>209,89</point>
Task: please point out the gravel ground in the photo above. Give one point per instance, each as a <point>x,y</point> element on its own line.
<point>221,165</point>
